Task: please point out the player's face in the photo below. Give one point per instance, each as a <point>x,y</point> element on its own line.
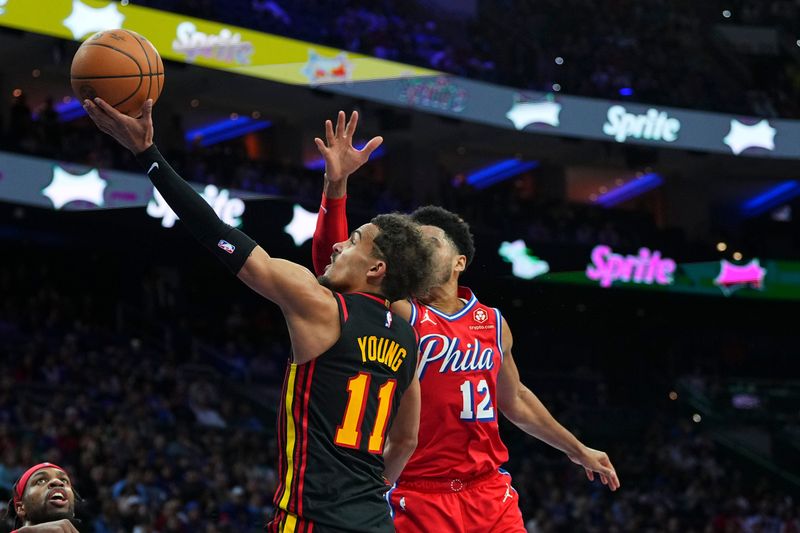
<point>48,497</point>
<point>351,260</point>
<point>444,254</point>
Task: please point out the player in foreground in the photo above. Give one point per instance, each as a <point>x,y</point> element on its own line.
<point>43,500</point>
<point>453,481</point>
<point>351,375</point>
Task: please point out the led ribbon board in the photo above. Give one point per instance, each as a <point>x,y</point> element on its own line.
<point>646,268</point>
<point>753,279</point>
<point>262,55</point>
<point>60,186</point>
<point>205,43</point>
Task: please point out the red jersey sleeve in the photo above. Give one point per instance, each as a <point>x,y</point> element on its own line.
<point>331,228</point>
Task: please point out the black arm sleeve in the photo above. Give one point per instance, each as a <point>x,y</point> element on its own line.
<point>227,243</point>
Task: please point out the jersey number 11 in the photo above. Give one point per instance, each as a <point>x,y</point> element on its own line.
<point>348,434</point>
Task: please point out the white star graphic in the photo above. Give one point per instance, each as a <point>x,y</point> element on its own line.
<point>85,19</point>
<point>65,188</point>
<point>525,113</point>
<point>741,136</point>
<point>302,226</point>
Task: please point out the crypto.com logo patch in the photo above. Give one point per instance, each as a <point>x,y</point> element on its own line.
<point>742,136</point>
<point>65,188</point>
<point>85,19</point>
<point>523,113</point>
<point>733,277</point>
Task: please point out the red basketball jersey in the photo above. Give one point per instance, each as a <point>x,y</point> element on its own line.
<point>459,361</point>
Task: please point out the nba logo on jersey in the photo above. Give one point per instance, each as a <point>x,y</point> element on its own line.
<point>426,317</point>
<point>226,246</point>
<point>388,323</point>
<point>480,316</point>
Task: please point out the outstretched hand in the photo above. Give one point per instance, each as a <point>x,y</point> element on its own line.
<point>341,157</point>
<point>595,461</point>
<point>135,134</point>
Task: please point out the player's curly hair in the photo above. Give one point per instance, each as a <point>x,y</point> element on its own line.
<point>453,226</point>
<point>408,256</point>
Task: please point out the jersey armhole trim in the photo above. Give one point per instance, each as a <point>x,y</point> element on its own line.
<point>413,318</point>
<point>499,317</point>
<point>342,309</point>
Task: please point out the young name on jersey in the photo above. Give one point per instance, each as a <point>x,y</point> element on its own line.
<point>381,350</point>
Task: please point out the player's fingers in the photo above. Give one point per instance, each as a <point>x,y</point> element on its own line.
<point>91,109</point>
<point>106,107</point>
<point>320,145</point>
<point>614,481</point>
<point>147,111</point>
<point>97,115</point>
<point>350,129</point>
<point>589,474</point>
<point>329,132</point>
<point>371,146</point>
<point>340,124</point>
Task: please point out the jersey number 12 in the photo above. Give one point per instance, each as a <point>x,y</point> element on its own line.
<point>484,409</point>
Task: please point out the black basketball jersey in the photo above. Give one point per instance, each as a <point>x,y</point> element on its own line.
<point>335,413</point>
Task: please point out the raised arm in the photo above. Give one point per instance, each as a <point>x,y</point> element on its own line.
<point>309,308</point>
<point>341,160</point>
<point>521,406</point>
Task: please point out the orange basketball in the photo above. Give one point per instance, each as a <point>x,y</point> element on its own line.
<point>119,66</point>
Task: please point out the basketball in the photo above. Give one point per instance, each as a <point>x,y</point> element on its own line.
<point>119,66</point>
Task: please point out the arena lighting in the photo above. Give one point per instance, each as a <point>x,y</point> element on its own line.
<point>630,190</point>
<point>225,130</point>
<point>497,172</point>
<point>70,110</point>
<point>318,163</point>
<point>626,91</point>
<point>771,198</point>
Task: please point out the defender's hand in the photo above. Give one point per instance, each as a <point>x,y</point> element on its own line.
<point>597,461</point>
<point>135,134</point>
<point>341,157</point>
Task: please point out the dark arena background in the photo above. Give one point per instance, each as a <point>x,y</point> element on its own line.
<point>631,172</point>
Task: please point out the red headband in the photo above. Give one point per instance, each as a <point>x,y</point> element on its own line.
<point>19,488</point>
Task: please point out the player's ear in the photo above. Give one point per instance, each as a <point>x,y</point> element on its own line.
<point>461,263</point>
<point>377,271</point>
<point>19,509</point>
